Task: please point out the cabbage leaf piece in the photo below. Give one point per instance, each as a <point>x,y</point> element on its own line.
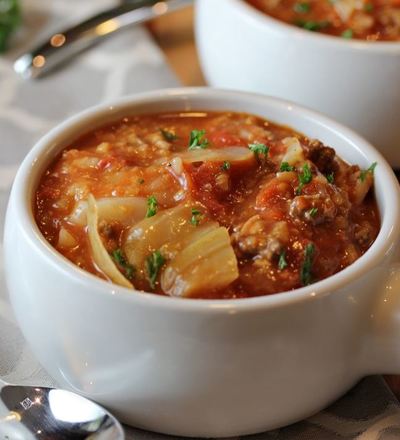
<point>167,230</point>
<point>173,233</point>
<point>227,154</point>
<point>99,253</point>
<point>208,262</point>
<point>125,210</point>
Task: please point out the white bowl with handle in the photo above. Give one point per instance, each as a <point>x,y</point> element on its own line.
<point>353,81</point>
<point>207,368</point>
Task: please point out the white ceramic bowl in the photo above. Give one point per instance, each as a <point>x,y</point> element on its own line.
<point>204,367</point>
<point>355,82</point>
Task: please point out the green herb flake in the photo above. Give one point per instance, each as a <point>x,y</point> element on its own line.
<point>364,173</point>
<point>140,181</point>
<point>330,178</point>
<point>197,139</point>
<point>153,264</point>
<point>348,34</point>
<point>302,7</point>
<point>120,260</point>
<point>368,7</point>
<point>196,216</point>
<point>168,135</point>
<point>311,25</point>
<point>225,166</point>
<point>312,212</point>
<point>286,167</point>
<point>282,263</point>
<point>152,206</point>
<point>304,177</point>
<point>306,268</point>
<point>258,149</point>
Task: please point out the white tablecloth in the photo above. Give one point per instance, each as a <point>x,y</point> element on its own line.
<point>127,63</point>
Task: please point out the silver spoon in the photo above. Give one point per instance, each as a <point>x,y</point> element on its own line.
<point>65,44</point>
<point>32,413</point>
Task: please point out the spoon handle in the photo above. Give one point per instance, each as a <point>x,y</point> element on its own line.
<point>65,44</point>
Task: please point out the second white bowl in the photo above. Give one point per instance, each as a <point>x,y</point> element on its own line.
<point>355,82</point>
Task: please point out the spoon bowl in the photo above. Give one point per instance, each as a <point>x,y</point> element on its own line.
<point>29,413</point>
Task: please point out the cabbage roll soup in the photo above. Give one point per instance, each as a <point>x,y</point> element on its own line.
<point>370,20</point>
<point>206,205</point>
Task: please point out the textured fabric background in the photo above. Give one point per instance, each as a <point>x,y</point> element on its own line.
<point>127,63</point>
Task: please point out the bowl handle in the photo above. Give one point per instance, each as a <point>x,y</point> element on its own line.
<point>381,351</point>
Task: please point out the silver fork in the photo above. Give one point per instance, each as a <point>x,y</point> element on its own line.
<point>67,43</point>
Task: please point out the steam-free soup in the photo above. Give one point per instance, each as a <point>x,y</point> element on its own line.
<point>206,205</point>
<point>370,20</point>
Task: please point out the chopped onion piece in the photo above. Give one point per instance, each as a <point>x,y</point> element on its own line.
<point>99,252</point>
<point>294,153</point>
<point>361,187</point>
<point>66,239</point>
<point>229,154</point>
<point>345,8</point>
<point>125,210</point>
<point>206,263</point>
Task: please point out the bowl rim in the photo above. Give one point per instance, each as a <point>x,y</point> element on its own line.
<point>388,235</point>
<point>258,18</point>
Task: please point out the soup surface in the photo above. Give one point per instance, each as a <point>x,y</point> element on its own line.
<point>206,205</point>
<point>363,19</point>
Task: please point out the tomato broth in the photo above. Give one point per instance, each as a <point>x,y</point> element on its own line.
<point>206,205</point>
<point>372,20</point>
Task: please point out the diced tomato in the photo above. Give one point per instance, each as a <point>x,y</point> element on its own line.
<point>221,139</point>
<point>204,175</point>
<point>275,189</point>
<point>276,149</point>
<point>204,188</point>
<point>274,213</point>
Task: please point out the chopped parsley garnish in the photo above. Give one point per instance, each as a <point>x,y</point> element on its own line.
<point>330,177</point>
<point>302,7</point>
<point>312,212</point>
<point>197,139</point>
<point>152,206</point>
<point>304,177</point>
<point>140,181</point>
<point>196,216</point>
<point>225,165</point>
<point>258,149</point>
<point>364,173</point>
<point>306,268</point>
<point>282,263</point>
<point>286,167</point>
<point>154,263</point>
<point>348,34</point>
<point>168,135</point>
<point>120,260</point>
<point>312,25</point>
<point>368,7</point>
